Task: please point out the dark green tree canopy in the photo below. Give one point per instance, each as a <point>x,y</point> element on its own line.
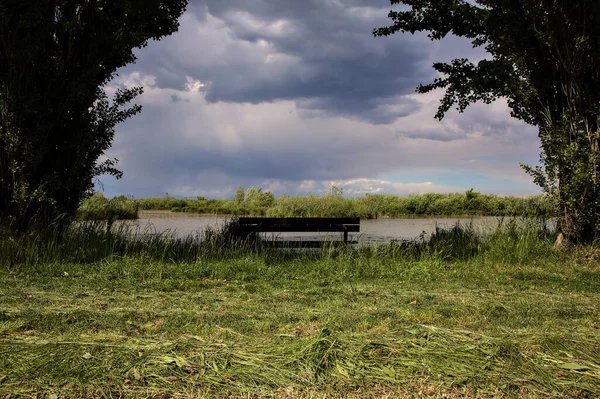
<point>55,118</point>
<point>544,58</point>
<point>539,49</point>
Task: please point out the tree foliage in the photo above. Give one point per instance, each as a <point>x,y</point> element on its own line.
<point>240,194</point>
<point>56,120</point>
<point>544,59</point>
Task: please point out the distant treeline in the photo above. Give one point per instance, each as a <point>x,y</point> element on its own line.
<point>256,202</point>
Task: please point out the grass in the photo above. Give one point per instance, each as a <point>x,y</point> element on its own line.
<point>463,315</point>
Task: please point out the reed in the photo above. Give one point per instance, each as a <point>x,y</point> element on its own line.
<point>513,241</point>
<point>369,206</point>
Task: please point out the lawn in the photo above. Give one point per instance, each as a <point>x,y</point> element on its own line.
<point>347,323</point>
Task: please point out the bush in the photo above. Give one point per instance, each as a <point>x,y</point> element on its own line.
<point>98,207</point>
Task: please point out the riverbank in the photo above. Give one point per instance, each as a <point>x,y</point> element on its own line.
<point>256,202</point>
<point>502,316</point>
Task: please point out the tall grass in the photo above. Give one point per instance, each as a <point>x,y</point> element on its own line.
<point>513,241</point>
<point>87,242</point>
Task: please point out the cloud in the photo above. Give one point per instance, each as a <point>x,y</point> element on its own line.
<point>320,54</point>
<point>351,188</point>
<point>372,186</point>
<point>192,146</point>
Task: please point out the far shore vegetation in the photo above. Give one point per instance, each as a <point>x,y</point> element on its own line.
<point>98,207</point>
<point>254,201</point>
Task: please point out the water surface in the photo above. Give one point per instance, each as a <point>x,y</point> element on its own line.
<point>186,224</point>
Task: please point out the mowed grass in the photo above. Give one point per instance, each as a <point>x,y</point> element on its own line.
<point>362,323</point>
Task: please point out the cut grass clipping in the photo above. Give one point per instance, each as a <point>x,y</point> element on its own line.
<point>329,361</point>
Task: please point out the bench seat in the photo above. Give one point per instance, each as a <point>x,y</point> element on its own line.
<point>249,225</point>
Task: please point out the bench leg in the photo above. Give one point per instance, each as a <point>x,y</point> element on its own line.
<point>345,236</point>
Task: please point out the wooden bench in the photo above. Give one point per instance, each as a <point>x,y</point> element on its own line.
<point>253,225</point>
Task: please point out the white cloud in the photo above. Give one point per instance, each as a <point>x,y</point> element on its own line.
<point>363,186</point>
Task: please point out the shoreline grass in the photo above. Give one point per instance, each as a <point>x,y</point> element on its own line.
<point>257,202</point>
<point>502,315</point>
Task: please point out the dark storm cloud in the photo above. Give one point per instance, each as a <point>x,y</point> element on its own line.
<point>316,151</point>
<point>321,53</point>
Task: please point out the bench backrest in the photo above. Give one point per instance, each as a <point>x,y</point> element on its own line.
<point>260,224</point>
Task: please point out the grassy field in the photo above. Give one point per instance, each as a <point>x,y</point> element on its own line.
<point>504,315</point>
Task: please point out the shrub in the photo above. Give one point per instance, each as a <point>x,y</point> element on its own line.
<point>98,207</point>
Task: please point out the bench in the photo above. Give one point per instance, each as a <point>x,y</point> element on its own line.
<point>253,225</point>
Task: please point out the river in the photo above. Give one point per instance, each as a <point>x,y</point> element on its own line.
<point>376,230</point>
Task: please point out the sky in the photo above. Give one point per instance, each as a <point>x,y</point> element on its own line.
<point>294,96</point>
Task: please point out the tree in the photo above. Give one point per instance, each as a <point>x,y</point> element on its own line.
<point>56,121</point>
<point>335,191</point>
<point>544,59</point>
<point>240,194</point>
<point>255,197</point>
